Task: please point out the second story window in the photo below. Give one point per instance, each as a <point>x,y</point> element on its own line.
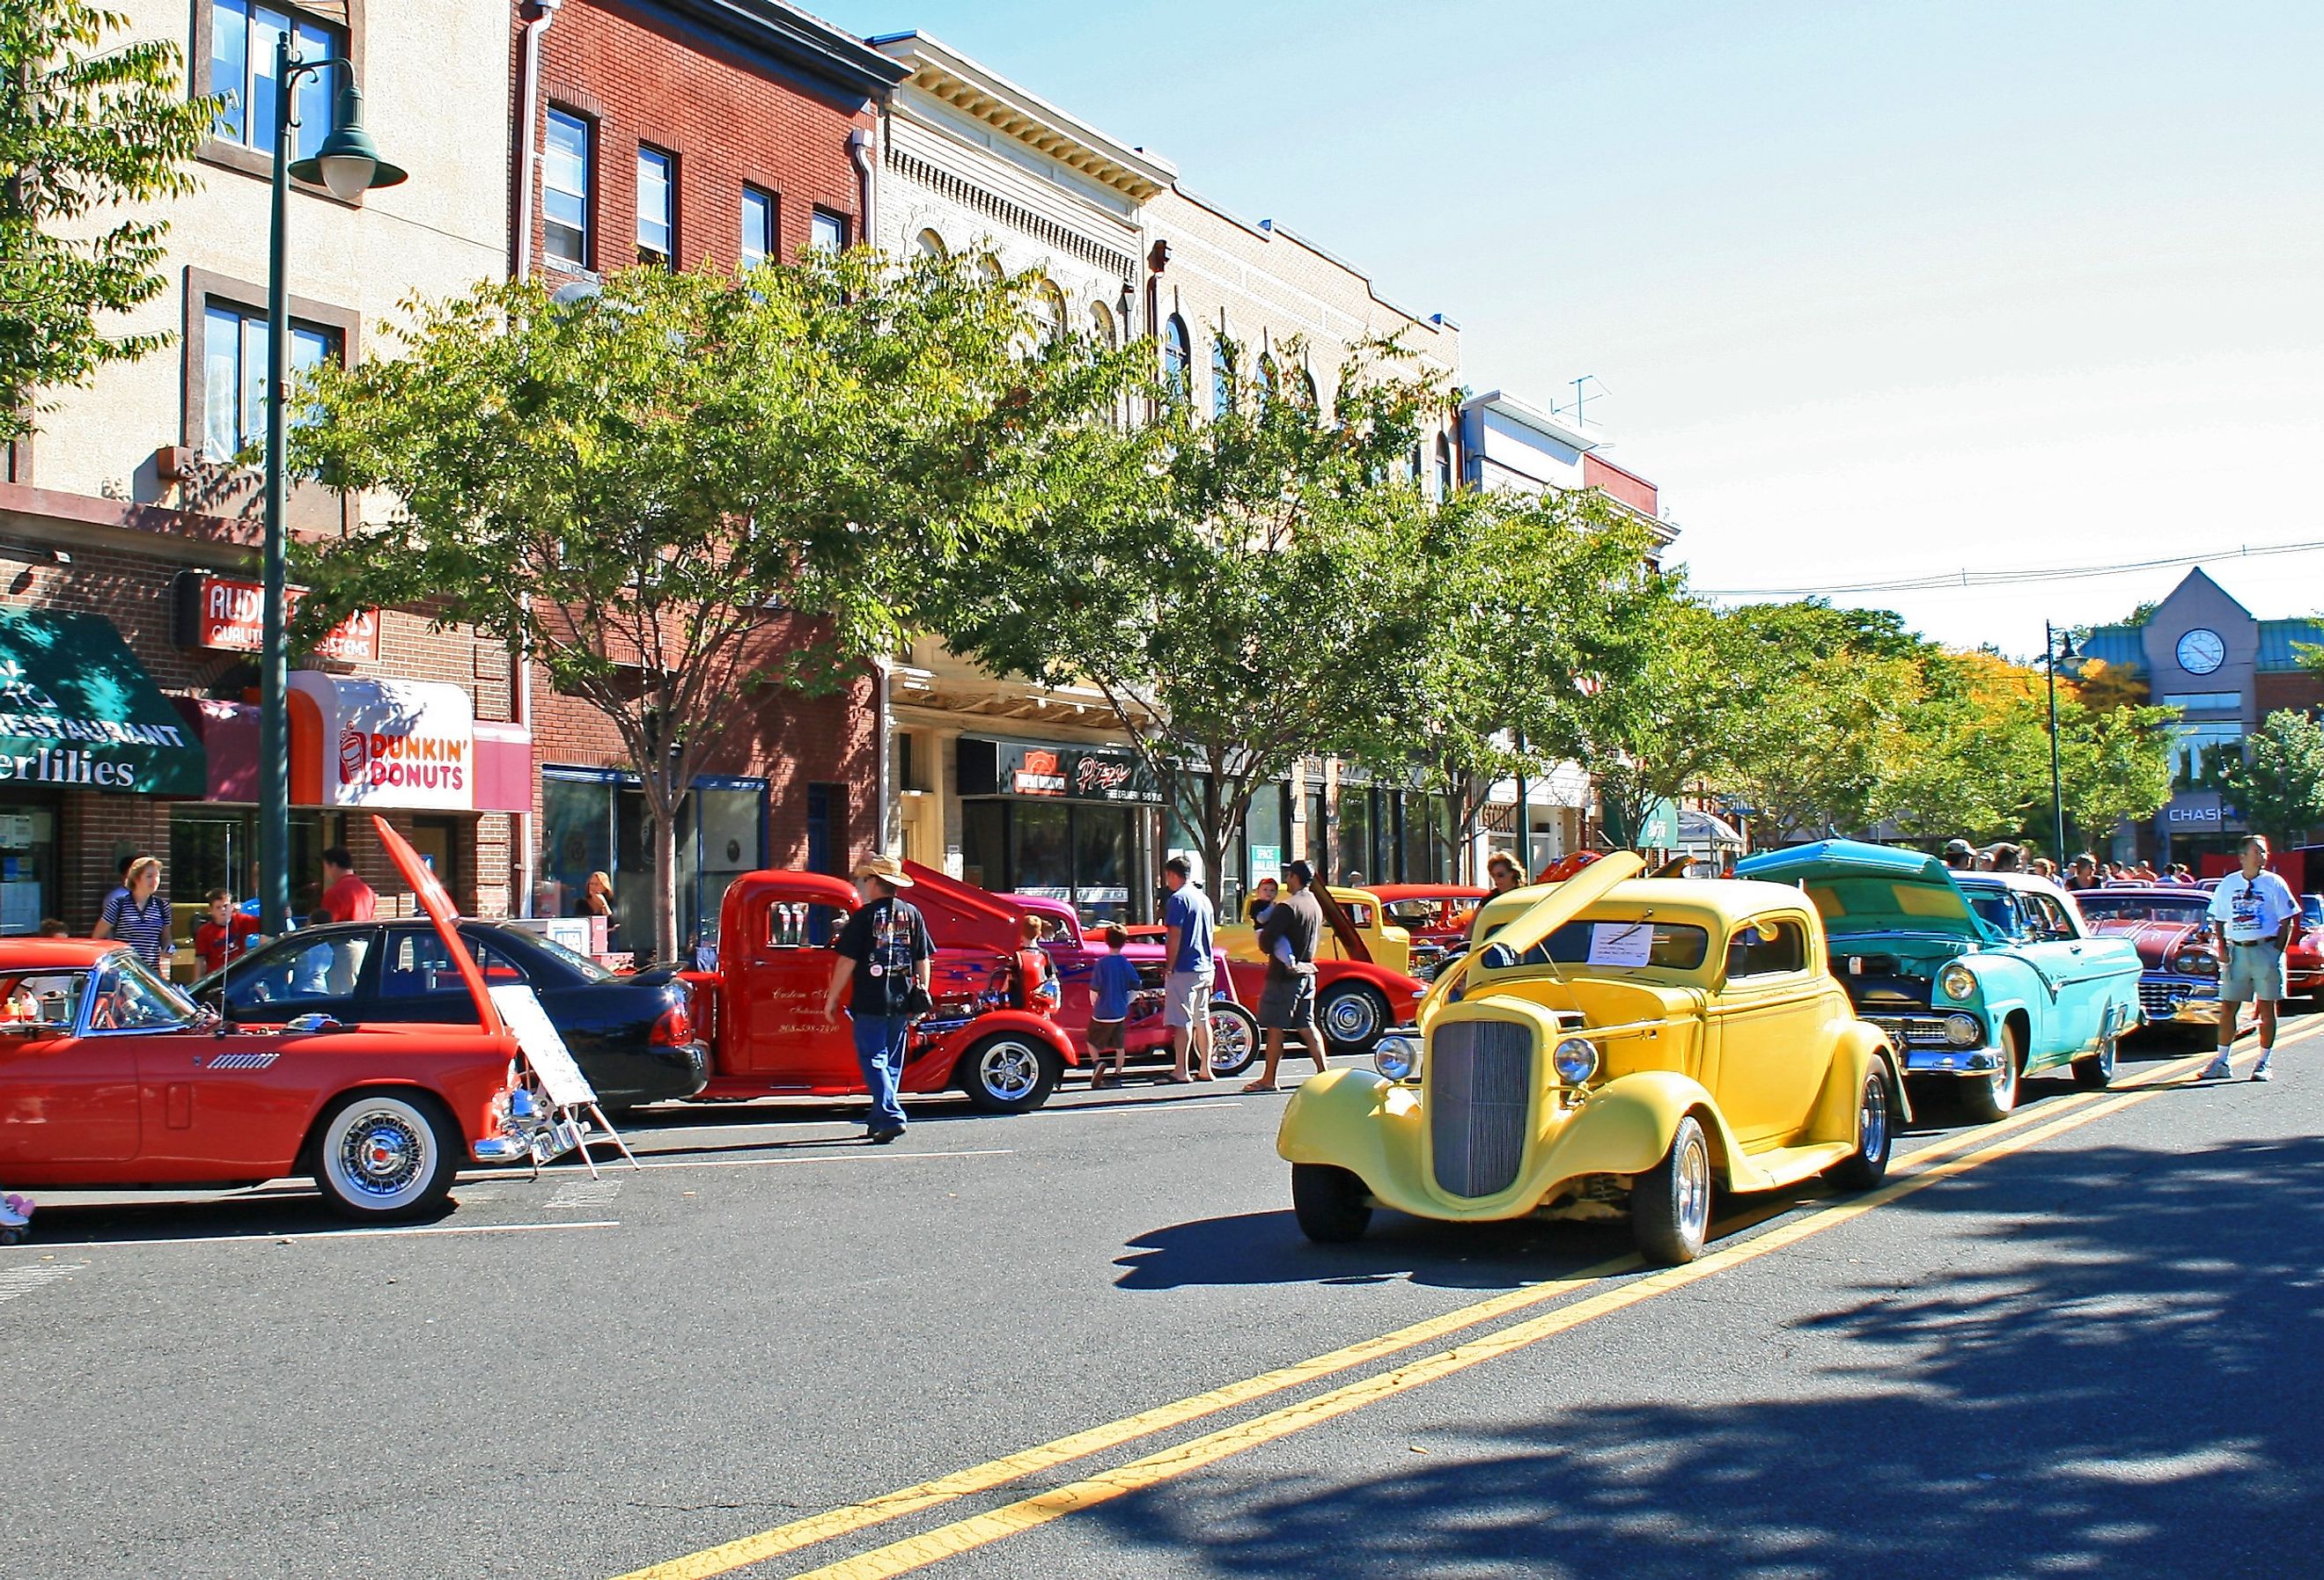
<point>233,376</point>
<point>564,190</point>
<point>758,228</point>
<point>242,39</point>
<point>1222,397</point>
<point>657,205</point>
<point>1444,467</point>
<point>1178,354</point>
<point>827,232</point>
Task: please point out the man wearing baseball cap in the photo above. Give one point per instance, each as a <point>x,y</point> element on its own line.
<point>1960,855</point>
<point>884,955</point>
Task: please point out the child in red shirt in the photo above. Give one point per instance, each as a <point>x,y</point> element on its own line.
<point>225,933</point>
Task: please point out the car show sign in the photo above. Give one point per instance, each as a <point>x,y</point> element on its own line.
<point>544,1048</point>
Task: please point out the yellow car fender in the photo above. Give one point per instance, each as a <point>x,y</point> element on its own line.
<point>1628,1124</point>
<point>1858,1046</point>
<point>1340,1117</point>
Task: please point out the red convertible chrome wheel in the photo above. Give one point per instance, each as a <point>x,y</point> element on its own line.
<point>386,1154</point>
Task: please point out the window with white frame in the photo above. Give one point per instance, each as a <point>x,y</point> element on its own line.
<point>243,36</point>
<point>233,376</point>
<point>758,228</point>
<point>827,232</point>
<point>657,205</point>
<point>1222,397</point>
<point>565,171</point>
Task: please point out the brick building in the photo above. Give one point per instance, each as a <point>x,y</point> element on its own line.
<point>686,133</point>
<point>129,522</point>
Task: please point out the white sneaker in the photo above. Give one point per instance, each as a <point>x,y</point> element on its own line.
<point>2217,1070</point>
<point>2260,1072</point>
<point>9,1218</point>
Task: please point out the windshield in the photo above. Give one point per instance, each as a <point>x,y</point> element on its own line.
<point>126,996</point>
<point>2099,906</point>
<point>2311,910</point>
<point>1601,945</point>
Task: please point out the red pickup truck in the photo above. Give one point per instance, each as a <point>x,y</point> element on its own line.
<point>768,1035</point>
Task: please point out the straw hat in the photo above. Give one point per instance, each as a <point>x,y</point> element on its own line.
<point>887,869</point>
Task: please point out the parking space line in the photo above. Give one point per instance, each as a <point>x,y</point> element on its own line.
<point>1919,1168</point>
<point>266,1237</point>
<point>865,1155</point>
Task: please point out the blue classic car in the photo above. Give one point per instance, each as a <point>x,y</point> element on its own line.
<point>1984,977</point>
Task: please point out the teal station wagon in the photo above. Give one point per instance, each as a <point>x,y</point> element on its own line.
<point>1983,977</point>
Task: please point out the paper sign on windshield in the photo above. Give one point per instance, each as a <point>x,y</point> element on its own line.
<point>1621,943</point>
<point>544,1048</point>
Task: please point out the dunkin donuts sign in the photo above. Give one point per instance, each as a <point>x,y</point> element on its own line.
<point>393,743</point>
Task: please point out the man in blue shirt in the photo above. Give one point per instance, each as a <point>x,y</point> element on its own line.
<point>1187,922</point>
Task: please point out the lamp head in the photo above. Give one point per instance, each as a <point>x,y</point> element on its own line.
<point>348,162</point>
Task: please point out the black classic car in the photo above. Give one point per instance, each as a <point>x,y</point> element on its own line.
<point>635,1037</point>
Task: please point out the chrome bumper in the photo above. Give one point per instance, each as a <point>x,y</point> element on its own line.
<point>1952,1061</point>
<point>2188,1001</point>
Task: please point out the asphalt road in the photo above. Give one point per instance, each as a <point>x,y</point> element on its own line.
<point>2080,1343</point>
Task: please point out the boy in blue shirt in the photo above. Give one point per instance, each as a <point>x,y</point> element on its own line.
<point>1113,981</point>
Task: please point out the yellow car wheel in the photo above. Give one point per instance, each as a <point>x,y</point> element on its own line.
<point>1670,1206</point>
<point>1876,1136</point>
<point>1331,1203</point>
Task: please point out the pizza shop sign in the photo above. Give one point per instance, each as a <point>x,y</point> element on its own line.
<point>228,615</point>
<point>1008,768</point>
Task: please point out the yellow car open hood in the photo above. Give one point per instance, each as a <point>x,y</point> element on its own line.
<point>1551,911</point>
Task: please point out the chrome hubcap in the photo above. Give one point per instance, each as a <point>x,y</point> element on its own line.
<point>383,1155</point>
<point>1694,1189</point>
<point>1010,1070</point>
<point>1872,1124</point>
<point>1351,1017</point>
<point>1230,1041</point>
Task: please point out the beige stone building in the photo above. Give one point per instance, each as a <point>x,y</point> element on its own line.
<point>131,508</point>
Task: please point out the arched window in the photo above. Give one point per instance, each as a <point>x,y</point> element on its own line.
<point>1444,467</point>
<point>1177,359</point>
<point>1267,378</point>
<point>1305,389</point>
<point>931,246</point>
<point>1101,322</point>
<point>989,267</point>
<point>1055,324</point>
<point>1222,397</point>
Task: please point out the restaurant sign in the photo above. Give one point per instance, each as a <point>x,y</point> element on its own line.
<point>228,614</point>
<point>1006,768</point>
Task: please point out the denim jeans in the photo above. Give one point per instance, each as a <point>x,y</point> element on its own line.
<point>880,1055</point>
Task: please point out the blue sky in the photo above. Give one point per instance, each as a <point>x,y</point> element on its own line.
<point>1876,289</point>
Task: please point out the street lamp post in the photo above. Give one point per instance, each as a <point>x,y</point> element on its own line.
<point>348,164</point>
<point>2057,647</point>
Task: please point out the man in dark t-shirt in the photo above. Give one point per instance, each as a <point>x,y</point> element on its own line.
<point>884,953</point>
<point>1286,1002</point>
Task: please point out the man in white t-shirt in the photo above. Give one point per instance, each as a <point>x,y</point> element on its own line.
<point>2253,911</point>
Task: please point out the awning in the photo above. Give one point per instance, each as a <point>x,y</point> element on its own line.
<point>78,709</point>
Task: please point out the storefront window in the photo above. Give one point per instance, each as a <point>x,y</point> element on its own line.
<point>1318,850</point>
<point>594,821</point>
<point>28,867</point>
<point>1101,851</point>
<point>1089,855</point>
<point>216,847</point>
<point>1427,840</point>
<point>1355,837</point>
<point>1044,851</point>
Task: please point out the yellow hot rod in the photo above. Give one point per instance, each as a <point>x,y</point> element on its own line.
<point>1611,1044</point>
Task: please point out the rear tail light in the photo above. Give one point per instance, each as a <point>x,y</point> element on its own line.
<point>675,1028</point>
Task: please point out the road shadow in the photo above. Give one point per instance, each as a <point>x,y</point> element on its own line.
<point>2116,1378</point>
<point>1268,1248</point>
<point>268,1212</point>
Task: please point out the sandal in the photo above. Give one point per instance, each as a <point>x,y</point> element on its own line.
<point>1261,1086</point>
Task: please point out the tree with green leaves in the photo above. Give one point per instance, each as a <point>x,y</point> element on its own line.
<point>2279,783</point>
<point>1244,589</point>
<point>83,127</point>
<point>690,489</point>
<point>1528,599</point>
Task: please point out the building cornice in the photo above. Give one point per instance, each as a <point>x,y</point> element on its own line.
<point>1503,404</point>
<point>953,79</point>
<point>802,41</point>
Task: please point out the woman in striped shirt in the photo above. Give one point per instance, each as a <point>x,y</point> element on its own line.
<point>136,914</point>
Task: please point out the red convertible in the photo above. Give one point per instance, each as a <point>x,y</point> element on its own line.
<point>112,1079</point>
<point>770,1038</point>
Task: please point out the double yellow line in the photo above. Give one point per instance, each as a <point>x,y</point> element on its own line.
<point>1937,1162</point>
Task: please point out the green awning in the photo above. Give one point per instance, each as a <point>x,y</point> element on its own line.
<point>78,709</point>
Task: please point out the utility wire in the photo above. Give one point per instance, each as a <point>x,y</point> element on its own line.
<point>1966,577</point>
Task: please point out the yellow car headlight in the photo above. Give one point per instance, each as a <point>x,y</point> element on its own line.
<point>1398,1058</point>
<point>1576,1060</point>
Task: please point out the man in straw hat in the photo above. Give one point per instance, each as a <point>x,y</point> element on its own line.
<point>884,955</point>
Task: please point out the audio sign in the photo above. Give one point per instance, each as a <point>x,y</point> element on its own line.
<point>227,614</point>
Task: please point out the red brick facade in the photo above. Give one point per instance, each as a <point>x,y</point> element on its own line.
<point>732,105</point>
<point>748,94</point>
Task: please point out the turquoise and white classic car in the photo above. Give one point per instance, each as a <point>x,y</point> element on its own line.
<point>1986,979</point>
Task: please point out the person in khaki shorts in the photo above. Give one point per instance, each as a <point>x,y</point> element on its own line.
<point>1188,923</point>
<point>2254,911</point>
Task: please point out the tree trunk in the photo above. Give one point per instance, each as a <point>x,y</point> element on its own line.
<point>665,819</point>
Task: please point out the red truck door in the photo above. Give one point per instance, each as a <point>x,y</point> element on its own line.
<point>777,1031</point>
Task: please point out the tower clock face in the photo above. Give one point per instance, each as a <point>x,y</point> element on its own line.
<point>2200,651</point>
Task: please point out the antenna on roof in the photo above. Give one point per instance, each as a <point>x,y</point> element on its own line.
<point>1581,393</point>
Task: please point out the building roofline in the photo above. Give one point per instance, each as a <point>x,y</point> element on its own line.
<point>1542,423</point>
<point>792,36</point>
<point>1269,230</point>
<point>934,68</point>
